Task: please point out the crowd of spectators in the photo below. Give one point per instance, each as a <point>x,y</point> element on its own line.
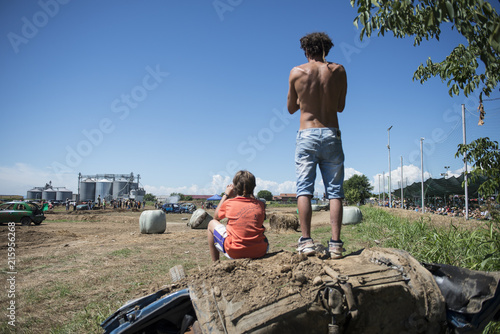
<point>453,206</point>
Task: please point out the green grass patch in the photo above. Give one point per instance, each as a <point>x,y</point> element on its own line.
<point>123,253</point>
<point>477,249</point>
<point>89,319</point>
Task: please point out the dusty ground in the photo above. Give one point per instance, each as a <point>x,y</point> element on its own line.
<point>76,268</point>
<point>85,262</point>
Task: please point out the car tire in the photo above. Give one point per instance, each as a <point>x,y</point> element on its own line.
<point>25,221</point>
<point>37,223</point>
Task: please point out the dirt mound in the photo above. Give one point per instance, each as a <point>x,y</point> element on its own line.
<point>287,291</point>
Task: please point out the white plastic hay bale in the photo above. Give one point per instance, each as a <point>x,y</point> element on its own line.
<point>199,219</point>
<point>152,221</point>
<point>352,215</point>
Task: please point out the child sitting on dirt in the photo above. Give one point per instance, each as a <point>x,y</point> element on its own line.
<point>243,236</point>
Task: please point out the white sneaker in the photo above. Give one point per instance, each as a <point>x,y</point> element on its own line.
<point>336,249</point>
<point>306,247</point>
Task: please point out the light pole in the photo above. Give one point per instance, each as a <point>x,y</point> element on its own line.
<point>422,169</point>
<point>402,186</point>
<point>389,148</point>
<point>379,189</point>
<point>383,188</point>
<point>445,174</point>
<point>465,167</point>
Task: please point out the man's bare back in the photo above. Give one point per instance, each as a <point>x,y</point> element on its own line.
<point>318,89</point>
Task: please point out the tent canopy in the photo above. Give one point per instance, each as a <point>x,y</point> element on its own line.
<point>441,187</point>
<point>214,198</point>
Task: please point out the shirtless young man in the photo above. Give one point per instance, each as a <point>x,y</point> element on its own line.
<point>318,88</point>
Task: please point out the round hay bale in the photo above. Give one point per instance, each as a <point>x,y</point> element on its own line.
<point>152,221</point>
<point>199,219</point>
<point>283,221</point>
<point>351,215</point>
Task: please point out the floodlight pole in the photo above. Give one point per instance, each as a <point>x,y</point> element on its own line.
<point>383,189</point>
<point>379,189</point>
<point>465,166</point>
<point>422,170</point>
<point>389,148</point>
<point>402,186</point>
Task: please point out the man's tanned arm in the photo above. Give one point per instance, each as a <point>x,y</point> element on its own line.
<point>343,92</point>
<point>292,104</point>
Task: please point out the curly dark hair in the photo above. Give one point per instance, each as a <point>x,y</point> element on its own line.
<point>244,183</point>
<point>316,44</point>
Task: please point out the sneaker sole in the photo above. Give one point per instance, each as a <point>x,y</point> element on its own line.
<point>310,253</point>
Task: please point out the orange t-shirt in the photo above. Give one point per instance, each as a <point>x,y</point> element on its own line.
<point>245,230</point>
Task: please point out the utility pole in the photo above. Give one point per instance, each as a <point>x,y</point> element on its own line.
<point>422,169</point>
<point>402,186</point>
<point>383,188</point>
<point>465,167</point>
<point>379,189</point>
<point>389,148</point>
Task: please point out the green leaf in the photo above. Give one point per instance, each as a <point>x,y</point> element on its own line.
<point>451,11</point>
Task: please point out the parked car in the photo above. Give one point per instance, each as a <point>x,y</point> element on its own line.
<point>21,212</point>
<point>171,208</point>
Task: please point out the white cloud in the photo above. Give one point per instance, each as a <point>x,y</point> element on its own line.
<point>350,172</point>
<point>411,174</point>
<point>18,179</point>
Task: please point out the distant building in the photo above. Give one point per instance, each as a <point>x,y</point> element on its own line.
<point>200,197</point>
<point>285,198</point>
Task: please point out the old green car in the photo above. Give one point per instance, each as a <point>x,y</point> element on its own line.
<point>21,212</point>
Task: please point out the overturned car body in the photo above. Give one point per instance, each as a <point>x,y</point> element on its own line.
<point>371,291</point>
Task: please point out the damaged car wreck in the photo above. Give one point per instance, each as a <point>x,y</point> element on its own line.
<point>376,290</point>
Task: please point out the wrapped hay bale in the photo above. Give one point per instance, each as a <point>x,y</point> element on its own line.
<point>200,219</point>
<point>152,221</point>
<point>283,221</point>
<point>351,215</point>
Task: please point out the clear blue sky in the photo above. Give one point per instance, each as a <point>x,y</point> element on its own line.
<point>185,93</point>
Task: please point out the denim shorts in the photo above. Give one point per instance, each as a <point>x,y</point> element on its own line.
<point>323,147</point>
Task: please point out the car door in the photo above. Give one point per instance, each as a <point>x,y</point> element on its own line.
<point>20,211</point>
<point>6,211</point>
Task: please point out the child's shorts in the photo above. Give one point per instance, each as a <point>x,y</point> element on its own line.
<point>220,235</point>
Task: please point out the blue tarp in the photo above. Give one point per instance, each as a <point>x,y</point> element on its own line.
<point>214,198</point>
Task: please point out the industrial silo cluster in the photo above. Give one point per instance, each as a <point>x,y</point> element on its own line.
<point>109,187</point>
<point>49,193</point>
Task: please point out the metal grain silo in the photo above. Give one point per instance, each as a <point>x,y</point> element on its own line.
<point>134,185</point>
<point>104,188</point>
<point>34,193</point>
<point>120,188</point>
<point>137,194</point>
<point>49,194</point>
<point>87,190</point>
<point>63,194</point>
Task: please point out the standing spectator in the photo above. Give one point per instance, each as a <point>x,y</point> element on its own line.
<point>318,88</point>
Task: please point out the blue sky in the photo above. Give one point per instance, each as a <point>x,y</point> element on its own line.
<point>185,93</point>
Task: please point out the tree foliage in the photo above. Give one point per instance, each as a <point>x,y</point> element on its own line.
<point>265,194</point>
<point>357,188</point>
<point>485,156</point>
<point>476,20</point>
<point>150,198</point>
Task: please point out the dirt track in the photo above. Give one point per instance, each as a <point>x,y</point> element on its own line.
<point>96,260</point>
